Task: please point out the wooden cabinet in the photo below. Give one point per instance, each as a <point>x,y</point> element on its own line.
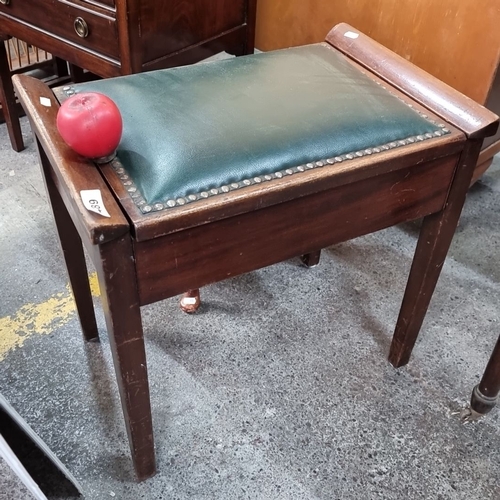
<point>119,37</point>
<point>116,37</point>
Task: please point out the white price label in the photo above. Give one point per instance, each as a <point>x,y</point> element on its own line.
<point>351,34</point>
<point>92,200</point>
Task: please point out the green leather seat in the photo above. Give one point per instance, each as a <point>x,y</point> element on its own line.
<point>196,131</point>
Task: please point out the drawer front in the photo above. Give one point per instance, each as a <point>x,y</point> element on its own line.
<point>91,27</point>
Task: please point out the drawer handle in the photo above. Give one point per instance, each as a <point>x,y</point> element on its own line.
<point>5,2</point>
<point>81,26</point>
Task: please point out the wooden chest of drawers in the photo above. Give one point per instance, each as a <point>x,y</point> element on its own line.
<point>118,37</point>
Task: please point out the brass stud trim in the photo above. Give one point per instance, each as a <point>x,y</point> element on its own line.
<point>171,203</point>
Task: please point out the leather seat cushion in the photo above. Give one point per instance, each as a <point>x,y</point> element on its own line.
<point>195,128</point>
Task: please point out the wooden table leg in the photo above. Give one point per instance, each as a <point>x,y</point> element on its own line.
<point>311,259</point>
<point>117,279</point>
<point>8,101</point>
<point>485,394</point>
<point>434,241</point>
<point>73,253</point>
<point>60,66</point>
<point>77,74</point>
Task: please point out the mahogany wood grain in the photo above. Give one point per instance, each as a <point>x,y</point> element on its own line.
<point>117,281</point>
<point>451,105</point>
<point>72,173</point>
<point>212,252</point>
<point>129,39</point>
<point>434,241</point>
<point>485,394</point>
<point>168,27</point>
<point>74,257</point>
<point>231,41</point>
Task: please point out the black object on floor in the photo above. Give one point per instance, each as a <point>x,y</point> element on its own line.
<point>53,479</point>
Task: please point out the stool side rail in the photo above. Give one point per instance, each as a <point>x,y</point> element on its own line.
<point>73,173</point>
<point>453,106</point>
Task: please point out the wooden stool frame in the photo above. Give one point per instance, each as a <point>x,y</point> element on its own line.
<point>141,259</point>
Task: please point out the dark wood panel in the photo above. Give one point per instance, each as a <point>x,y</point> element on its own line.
<point>196,257</point>
<point>167,27</point>
<point>233,42</point>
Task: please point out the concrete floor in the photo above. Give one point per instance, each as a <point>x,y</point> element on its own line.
<point>279,388</point>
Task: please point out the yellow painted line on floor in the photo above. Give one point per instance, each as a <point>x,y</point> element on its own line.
<point>39,319</point>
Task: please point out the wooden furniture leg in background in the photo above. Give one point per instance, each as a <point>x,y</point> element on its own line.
<point>60,67</point>
<point>8,101</point>
<point>434,241</point>
<point>311,259</point>
<point>485,394</point>
<point>190,301</point>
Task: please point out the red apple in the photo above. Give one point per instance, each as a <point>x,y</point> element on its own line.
<point>91,124</point>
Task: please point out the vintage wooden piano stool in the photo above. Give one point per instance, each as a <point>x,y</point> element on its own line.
<point>231,166</point>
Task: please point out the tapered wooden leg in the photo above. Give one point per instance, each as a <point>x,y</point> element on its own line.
<point>117,279</point>
<point>311,259</point>
<point>250,22</point>
<point>77,74</point>
<point>73,253</point>
<point>190,301</point>
<point>8,101</point>
<point>485,394</point>
<point>60,66</point>
<point>434,241</point>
